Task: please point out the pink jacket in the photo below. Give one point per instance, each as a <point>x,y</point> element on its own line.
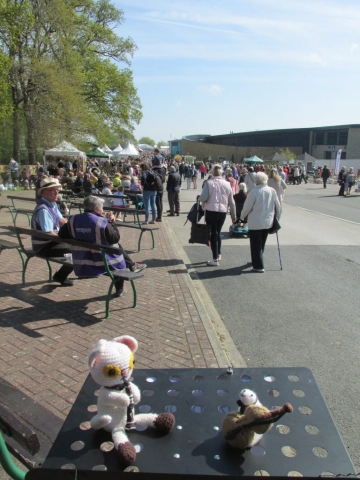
<point>217,196</point>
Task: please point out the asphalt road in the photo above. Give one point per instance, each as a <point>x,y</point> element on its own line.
<point>305,315</point>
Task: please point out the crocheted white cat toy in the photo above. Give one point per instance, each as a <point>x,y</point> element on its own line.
<point>111,365</point>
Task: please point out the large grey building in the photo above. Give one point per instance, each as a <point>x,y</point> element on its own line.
<point>320,142</point>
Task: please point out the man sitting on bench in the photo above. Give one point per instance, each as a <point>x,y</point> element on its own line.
<point>47,218</point>
<point>92,226</point>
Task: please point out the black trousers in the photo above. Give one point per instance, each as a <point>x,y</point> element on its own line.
<point>257,247</point>
<point>159,204</point>
<point>216,220</point>
<point>174,202</point>
<point>54,249</point>
<point>342,188</point>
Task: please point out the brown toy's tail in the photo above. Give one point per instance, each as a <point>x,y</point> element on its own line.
<point>269,417</point>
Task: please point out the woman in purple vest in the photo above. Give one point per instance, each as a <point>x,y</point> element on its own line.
<point>91,226</point>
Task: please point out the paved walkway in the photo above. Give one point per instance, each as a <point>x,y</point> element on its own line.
<point>47,331</point>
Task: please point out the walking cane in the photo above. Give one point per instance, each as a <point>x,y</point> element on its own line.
<point>277,238</point>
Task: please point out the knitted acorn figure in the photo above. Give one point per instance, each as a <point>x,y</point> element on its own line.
<point>111,365</point>
<point>245,428</point>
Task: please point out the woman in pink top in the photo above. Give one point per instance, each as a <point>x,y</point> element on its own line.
<point>216,197</point>
<point>233,183</point>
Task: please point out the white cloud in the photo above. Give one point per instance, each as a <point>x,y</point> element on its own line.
<point>213,90</point>
<point>354,48</point>
<point>315,59</point>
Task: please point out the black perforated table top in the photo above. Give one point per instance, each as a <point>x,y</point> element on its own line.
<point>303,443</point>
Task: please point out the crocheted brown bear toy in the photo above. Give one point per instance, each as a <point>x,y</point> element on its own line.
<point>245,428</point>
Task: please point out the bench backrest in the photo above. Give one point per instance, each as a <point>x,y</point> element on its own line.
<point>23,199</point>
<point>69,241</point>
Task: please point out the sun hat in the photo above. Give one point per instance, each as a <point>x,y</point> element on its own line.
<point>49,183</point>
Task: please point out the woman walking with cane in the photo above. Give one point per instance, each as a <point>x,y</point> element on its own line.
<point>260,207</point>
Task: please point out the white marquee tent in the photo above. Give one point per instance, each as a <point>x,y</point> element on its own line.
<point>106,149</point>
<point>64,149</point>
<point>117,150</point>
<point>129,151</point>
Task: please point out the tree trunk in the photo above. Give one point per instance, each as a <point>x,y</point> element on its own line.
<point>16,126</point>
<point>30,140</point>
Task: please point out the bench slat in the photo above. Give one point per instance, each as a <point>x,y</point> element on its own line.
<point>7,244</point>
<point>17,429</point>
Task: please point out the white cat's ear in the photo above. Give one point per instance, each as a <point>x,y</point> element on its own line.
<point>99,347</point>
<point>131,342</point>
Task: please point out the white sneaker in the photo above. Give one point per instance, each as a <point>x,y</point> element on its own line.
<point>219,257</point>
<point>213,263</point>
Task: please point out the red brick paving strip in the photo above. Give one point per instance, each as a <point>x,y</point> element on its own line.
<point>46,331</point>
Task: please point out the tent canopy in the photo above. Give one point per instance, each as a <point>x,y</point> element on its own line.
<point>106,149</point>
<point>129,151</point>
<point>305,157</point>
<point>276,157</point>
<point>96,152</point>
<point>64,149</point>
<point>116,151</point>
<point>253,159</point>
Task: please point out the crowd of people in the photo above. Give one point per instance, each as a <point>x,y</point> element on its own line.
<point>252,195</point>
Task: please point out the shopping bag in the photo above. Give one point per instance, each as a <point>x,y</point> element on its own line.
<point>275,226</point>
<point>200,233</point>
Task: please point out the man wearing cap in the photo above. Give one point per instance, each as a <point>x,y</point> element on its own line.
<point>94,227</point>
<point>48,219</point>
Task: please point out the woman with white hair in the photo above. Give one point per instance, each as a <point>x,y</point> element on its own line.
<point>260,206</point>
<point>277,183</point>
<point>216,197</point>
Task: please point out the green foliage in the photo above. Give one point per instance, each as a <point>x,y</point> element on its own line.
<point>287,153</point>
<point>147,140</point>
<point>162,143</point>
<point>58,75</point>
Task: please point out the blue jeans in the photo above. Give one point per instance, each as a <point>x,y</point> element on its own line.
<point>149,199</point>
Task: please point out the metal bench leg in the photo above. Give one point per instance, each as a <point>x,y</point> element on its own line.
<point>23,263</point>
<point>139,242</point>
<point>50,270</point>
<point>107,303</point>
<point>12,215</point>
<point>24,269</point>
<point>153,239</point>
<point>134,292</point>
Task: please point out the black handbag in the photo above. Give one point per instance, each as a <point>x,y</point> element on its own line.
<point>200,232</point>
<point>275,226</point>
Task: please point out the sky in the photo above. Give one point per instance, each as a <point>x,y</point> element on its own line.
<point>220,66</point>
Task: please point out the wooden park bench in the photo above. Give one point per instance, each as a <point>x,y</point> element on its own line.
<point>27,254</point>
<point>15,210</point>
<point>135,212</point>
<point>27,430</point>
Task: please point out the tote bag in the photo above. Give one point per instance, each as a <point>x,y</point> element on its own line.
<point>200,232</point>
<point>275,226</point>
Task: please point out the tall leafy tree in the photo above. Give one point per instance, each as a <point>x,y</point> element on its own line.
<point>61,70</point>
<point>147,140</point>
